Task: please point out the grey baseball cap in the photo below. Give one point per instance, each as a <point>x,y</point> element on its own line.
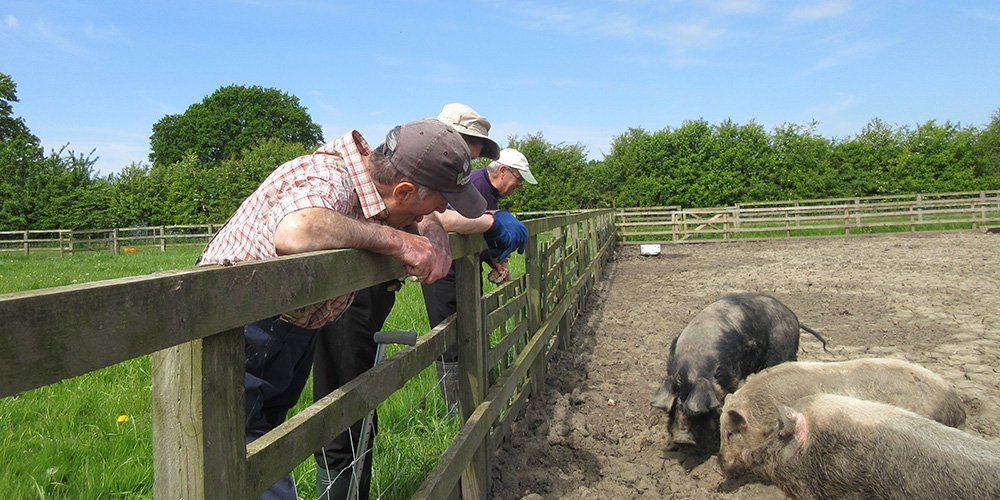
<point>434,155</point>
<point>467,122</point>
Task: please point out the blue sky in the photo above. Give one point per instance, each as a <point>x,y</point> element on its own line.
<point>100,74</point>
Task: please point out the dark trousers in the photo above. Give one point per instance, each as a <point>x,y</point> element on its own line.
<point>441,302</point>
<point>278,358</point>
<point>344,350</point>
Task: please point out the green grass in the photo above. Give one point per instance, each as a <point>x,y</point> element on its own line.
<point>91,436</point>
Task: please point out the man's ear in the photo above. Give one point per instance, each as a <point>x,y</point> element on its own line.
<point>404,191</point>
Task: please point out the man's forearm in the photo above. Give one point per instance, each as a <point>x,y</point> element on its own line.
<point>312,229</point>
<point>451,220</point>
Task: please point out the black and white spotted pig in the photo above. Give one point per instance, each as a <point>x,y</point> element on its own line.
<point>734,336</point>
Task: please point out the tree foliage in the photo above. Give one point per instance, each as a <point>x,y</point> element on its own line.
<point>209,159</point>
<point>558,168</point>
<point>39,191</point>
<point>231,120</point>
<point>702,165</point>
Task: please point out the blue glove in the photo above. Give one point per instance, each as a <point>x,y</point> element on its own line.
<point>505,235</point>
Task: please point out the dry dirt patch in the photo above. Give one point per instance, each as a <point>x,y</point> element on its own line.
<point>930,298</point>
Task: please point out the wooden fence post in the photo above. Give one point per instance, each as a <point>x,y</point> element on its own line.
<point>624,238</point>
<point>114,241</point>
<point>534,269</point>
<point>26,243</point>
<point>472,375</point>
<point>199,448</point>
<point>163,241</point>
<point>920,207</point>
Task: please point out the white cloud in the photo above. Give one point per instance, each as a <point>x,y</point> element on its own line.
<point>104,33</point>
<point>847,54</point>
<point>843,102</point>
<point>57,40</point>
<point>574,21</point>
<point>11,22</point>
<point>983,15</point>
<point>819,11</point>
<point>695,34</point>
<point>739,6</point>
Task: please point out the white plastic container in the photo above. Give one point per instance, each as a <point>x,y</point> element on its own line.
<point>650,249</point>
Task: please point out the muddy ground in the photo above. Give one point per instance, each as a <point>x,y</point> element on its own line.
<point>933,299</point>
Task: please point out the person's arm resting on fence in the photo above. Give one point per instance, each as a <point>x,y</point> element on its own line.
<point>453,221</point>
<point>312,229</point>
<point>503,232</point>
<point>506,235</point>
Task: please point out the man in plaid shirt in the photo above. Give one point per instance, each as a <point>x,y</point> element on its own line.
<point>346,349</point>
<point>345,195</point>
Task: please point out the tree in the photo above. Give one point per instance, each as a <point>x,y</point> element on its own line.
<point>559,170</point>
<point>986,153</point>
<point>237,178</point>
<point>19,148</point>
<point>866,162</point>
<point>232,119</point>
<point>802,162</point>
<point>37,191</point>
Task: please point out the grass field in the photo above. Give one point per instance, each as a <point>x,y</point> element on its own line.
<point>90,437</point>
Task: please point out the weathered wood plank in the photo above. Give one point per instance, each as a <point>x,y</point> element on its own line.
<point>473,375</point>
<point>273,455</point>
<point>198,450</point>
<point>473,433</point>
<point>500,349</point>
<point>58,333</point>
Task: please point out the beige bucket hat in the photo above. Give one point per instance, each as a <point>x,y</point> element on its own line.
<point>467,122</point>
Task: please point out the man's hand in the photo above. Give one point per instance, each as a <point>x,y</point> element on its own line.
<point>500,274</point>
<point>431,228</point>
<point>421,258</point>
<point>506,235</point>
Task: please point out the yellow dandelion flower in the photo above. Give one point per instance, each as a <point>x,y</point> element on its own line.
<point>122,418</point>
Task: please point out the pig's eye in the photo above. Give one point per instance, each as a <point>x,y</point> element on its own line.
<point>729,434</point>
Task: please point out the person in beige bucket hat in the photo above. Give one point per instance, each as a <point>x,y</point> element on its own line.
<point>474,128</point>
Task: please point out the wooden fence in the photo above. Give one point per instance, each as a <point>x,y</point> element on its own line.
<point>115,239</point>
<point>191,321</point>
<point>971,210</point>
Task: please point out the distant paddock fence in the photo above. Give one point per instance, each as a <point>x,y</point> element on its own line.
<point>115,240</point>
<point>843,216</point>
<point>191,321</point>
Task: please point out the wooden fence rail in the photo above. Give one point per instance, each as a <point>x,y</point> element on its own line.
<point>191,321</point>
<point>114,239</point>
<point>811,217</point>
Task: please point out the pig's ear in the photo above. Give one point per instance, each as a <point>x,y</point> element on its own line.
<point>787,420</point>
<point>736,420</point>
<point>664,398</point>
<point>702,398</point>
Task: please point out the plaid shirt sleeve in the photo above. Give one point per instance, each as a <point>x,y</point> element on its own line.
<point>322,180</point>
